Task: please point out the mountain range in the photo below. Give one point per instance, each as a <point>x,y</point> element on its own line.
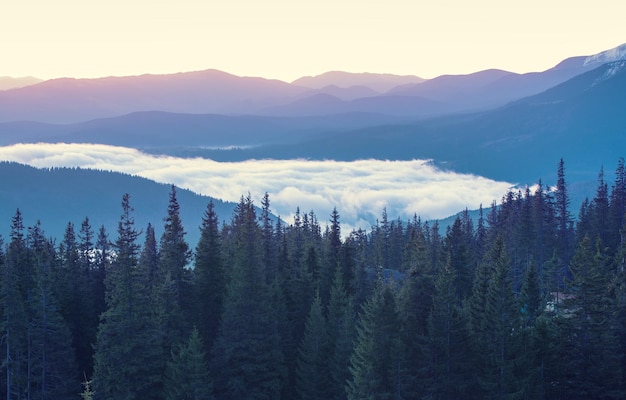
<point>493,123</point>
<point>68,100</point>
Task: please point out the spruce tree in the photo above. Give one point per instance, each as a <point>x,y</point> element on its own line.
<point>313,356</point>
<point>450,369</point>
<point>247,354</point>
<point>51,358</point>
<point>376,363</point>
<point>174,253</point>
<point>210,278</point>
<point>187,375</point>
<point>495,325</point>
<point>129,355</point>
<point>341,323</point>
<point>590,365</point>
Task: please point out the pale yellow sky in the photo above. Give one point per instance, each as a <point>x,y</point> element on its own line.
<point>286,39</point>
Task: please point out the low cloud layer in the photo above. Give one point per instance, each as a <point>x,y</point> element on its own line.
<point>358,189</point>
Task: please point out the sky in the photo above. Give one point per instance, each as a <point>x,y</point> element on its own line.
<point>287,39</point>
<point>359,190</point>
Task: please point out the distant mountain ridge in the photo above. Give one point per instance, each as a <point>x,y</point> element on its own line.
<point>380,83</point>
<point>581,120</point>
<point>67,100</point>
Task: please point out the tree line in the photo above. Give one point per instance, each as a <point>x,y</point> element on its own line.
<point>523,302</point>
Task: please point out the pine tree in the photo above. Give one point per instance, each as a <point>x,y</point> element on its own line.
<point>128,362</point>
<point>376,364</point>
<point>174,253</point>
<point>451,369</point>
<point>187,374</point>
<point>247,354</point>
<point>51,358</point>
<point>17,287</point>
<point>341,335</point>
<point>590,366</point>
<point>564,222</point>
<point>210,278</point>
<point>495,323</point>
<point>313,354</point>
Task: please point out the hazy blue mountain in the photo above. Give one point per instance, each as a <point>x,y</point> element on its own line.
<point>58,196</point>
<point>491,88</point>
<point>392,105</point>
<point>70,100</point>
<point>581,120</point>
<point>377,82</point>
<point>343,93</point>
<point>161,129</point>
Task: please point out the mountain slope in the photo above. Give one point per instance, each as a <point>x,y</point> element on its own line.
<point>582,120</point>
<point>155,129</point>
<point>378,82</point>
<point>72,100</point>
<point>58,196</point>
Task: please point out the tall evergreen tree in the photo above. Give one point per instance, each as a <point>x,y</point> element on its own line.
<point>451,369</point>
<point>341,336</point>
<point>51,358</point>
<point>313,355</point>
<point>590,365</point>
<point>174,253</point>
<point>187,375</point>
<point>210,278</point>
<point>376,364</point>
<point>247,354</point>
<point>563,224</point>
<point>495,323</point>
<point>129,355</point>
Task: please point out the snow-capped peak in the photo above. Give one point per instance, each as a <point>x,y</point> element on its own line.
<point>616,54</point>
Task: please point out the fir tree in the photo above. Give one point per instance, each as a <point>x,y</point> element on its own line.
<point>187,374</point>
<point>341,336</point>
<point>313,354</point>
<point>129,354</point>
<point>247,354</point>
<point>376,363</point>
<point>451,370</point>
<point>210,278</point>
<point>590,366</point>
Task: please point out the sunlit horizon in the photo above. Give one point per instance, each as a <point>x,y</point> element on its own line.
<point>287,40</point>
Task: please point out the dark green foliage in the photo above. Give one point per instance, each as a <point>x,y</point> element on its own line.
<point>247,354</point>
<point>450,366</point>
<point>495,320</point>
<point>313,356</point>
<point>341,336</point>
<point>376,365</point>
<point>588,343</point>
<point>187,374</point>
<point>423,332</point>
<point>129,359</point>
<point>210,278</point>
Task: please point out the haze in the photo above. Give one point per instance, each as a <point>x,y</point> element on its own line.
<point>288,39</point>
<point>360,190</point>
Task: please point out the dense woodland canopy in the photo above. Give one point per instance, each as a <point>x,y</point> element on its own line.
<point>527,301</point>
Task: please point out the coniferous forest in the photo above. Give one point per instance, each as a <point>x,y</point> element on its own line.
<point>527,301</point>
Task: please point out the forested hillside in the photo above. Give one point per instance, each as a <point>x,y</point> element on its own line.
<point>526,302</point>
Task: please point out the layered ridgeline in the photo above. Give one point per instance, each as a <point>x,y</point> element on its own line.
<point>579,119</point>
<point>68,100</point>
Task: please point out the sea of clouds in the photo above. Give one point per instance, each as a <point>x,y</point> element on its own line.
<point>360,190</point>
